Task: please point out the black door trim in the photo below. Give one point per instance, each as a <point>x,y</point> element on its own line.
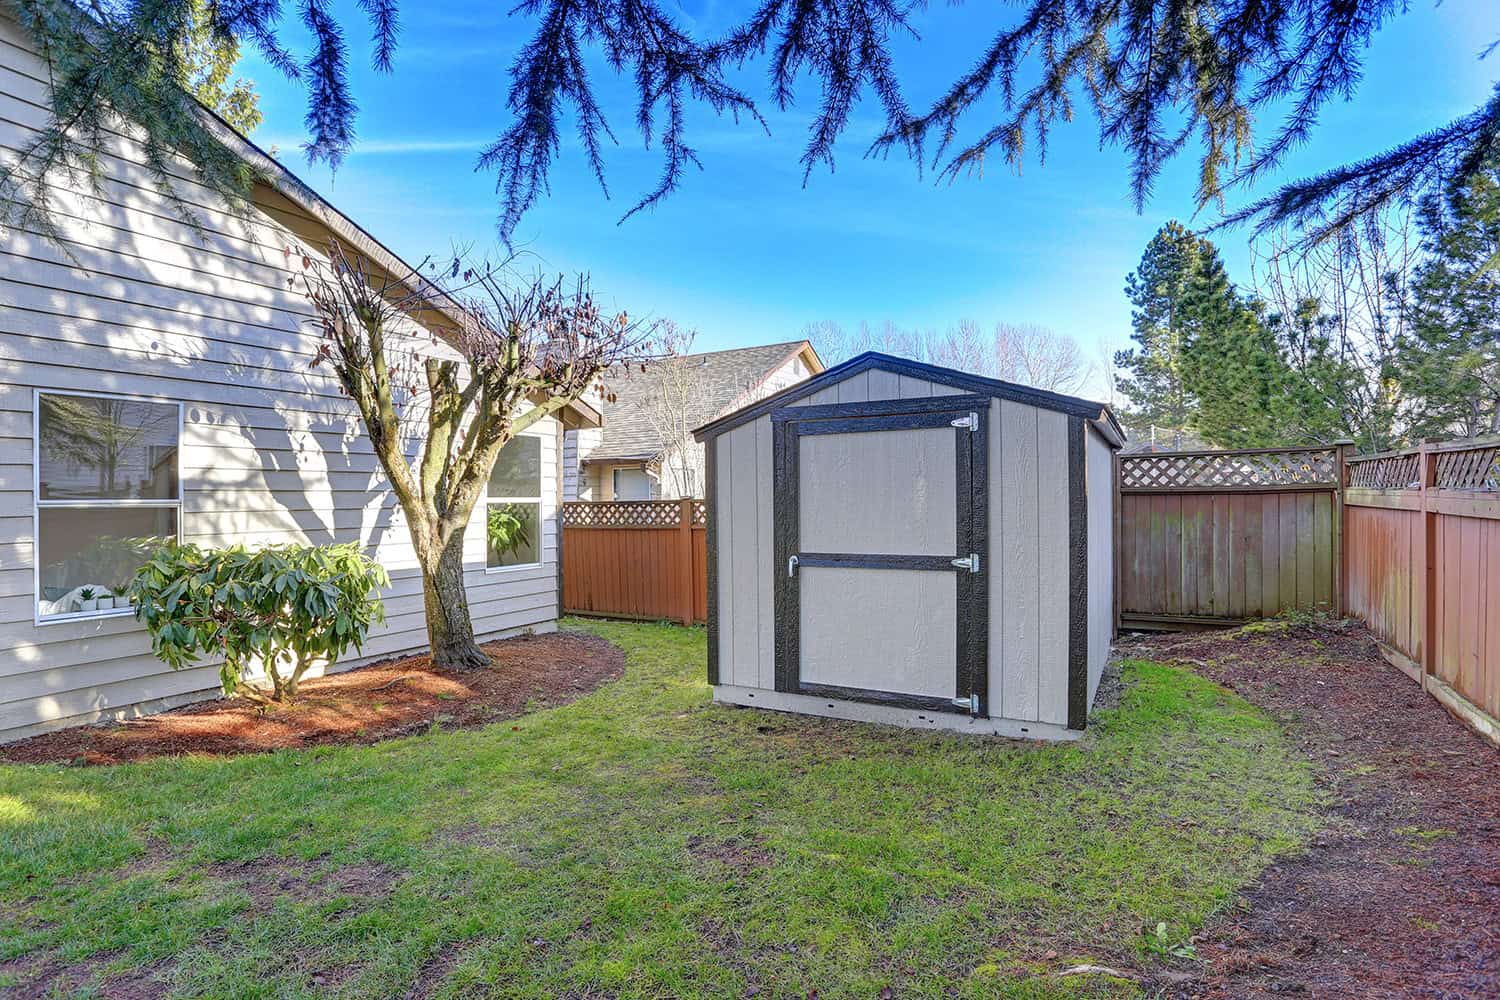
<point>971,451</point>
<point>871,560</point>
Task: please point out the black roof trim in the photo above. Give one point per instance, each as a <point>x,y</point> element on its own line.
<point>1071,405</point>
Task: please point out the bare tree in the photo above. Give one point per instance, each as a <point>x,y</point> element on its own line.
<point>1028,354</point>
<point>1338,306</point>
<point>1036,356</point>
<point>507,351</point>
<point>670,409</point>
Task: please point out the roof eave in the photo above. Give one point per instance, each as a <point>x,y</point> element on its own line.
<point>1072,405</point>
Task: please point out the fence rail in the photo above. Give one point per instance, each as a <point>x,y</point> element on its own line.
<point>642,559</point>
<point>1423,543</point>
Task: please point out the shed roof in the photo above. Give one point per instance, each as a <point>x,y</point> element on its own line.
<point>721,381</point>
<point>1101,415</point>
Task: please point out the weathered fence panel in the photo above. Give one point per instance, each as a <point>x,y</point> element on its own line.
<point>642,559</point>
<point>1217,537</point>
<point>1424,567</point>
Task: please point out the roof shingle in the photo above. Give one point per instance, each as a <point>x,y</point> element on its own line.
<point>721,378</point>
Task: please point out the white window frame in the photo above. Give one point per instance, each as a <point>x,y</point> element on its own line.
<point>653,483</point>
<point>38,504</point>
<point>541,509</point>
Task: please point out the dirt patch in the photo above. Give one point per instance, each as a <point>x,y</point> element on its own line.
<point>38,977</point>
<point>373,703</point>
<point>742,853</point>
<point>268,880</point>
<point>1400,896</point>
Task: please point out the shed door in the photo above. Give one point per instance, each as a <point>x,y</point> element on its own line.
<point>881,556</point>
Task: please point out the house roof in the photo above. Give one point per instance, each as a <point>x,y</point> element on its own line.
<point>722,381</point>
<point>1101,415</point>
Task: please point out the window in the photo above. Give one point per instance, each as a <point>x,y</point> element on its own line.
<point>513,507</point>
<point>107,494</point>
<point>632,484</point>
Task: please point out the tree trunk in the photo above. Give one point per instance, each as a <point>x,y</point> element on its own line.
<point>450,630</point>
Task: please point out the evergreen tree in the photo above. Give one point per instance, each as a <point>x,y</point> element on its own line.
<point>1159,290</point>
<point>1233,367</point>
<point>1158,75</point>
<point>1449,358</point>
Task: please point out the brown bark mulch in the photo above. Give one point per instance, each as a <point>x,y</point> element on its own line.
<point>365,705</point>
<point>1400,896</point>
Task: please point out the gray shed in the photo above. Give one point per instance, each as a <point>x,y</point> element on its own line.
<point>894,542</point>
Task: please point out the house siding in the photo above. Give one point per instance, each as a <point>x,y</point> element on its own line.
<point>1028,548</point>
<point>140,304</point>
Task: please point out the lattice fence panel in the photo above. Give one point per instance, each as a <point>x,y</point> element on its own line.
<point>1229,470</point>
<point>700,513</point>
<point>1390,472</point>
<point>1476,469</point>
<point>623,514</point>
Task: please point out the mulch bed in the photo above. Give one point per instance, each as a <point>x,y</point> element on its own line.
<point>1400,896</point>
<point>372,703</point>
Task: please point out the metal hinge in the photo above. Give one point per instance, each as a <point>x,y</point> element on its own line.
<point>971,421</point>
<point>971,703</point>
<point>969,562</point>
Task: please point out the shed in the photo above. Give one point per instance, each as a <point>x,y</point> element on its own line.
<point>896,542</point>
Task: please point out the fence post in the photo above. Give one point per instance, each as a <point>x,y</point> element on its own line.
<point>1341,450</point>
<point>1427,477</point>
<point>685,555</point>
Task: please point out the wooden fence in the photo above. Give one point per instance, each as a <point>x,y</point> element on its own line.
<point>644,559</point>
<point>1212,538</point>
<point>1423,568</point>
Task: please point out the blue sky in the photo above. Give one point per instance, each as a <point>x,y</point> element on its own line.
<point>745,253</point>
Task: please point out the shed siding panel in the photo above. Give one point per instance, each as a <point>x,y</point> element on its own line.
<point>743,536</point>
<point>1014,584</point>
<point>1101,566</point>
<point>1052,565</point>
<point>270,451</point>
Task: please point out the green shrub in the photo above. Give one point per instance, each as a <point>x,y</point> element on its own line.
<point>280,608</point>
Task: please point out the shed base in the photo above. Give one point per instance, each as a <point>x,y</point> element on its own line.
<point>910,718</point>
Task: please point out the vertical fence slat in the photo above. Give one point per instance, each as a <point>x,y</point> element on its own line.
<point>636,559</point>
<point>1225,536</point>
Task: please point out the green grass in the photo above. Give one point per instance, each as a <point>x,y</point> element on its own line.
<point>642,843</point>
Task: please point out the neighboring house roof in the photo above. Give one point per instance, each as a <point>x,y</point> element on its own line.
<point>723,381</point>
<point>1101,416</point>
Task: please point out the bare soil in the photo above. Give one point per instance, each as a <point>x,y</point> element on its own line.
<point>372,703</point>
<point>1400,896</point>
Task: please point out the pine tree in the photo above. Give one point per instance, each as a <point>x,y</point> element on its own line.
<point>1449,359</point>
<point>1158,75</point>
<point>1158,290</point>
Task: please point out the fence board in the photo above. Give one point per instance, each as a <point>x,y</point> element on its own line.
<point>1431,605</point>
<point>643,559</point>
<point>1212,537</point>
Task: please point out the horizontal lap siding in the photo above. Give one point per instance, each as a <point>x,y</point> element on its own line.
<point>270,451</point>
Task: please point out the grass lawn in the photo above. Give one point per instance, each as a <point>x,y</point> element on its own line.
<point>642,843</point>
